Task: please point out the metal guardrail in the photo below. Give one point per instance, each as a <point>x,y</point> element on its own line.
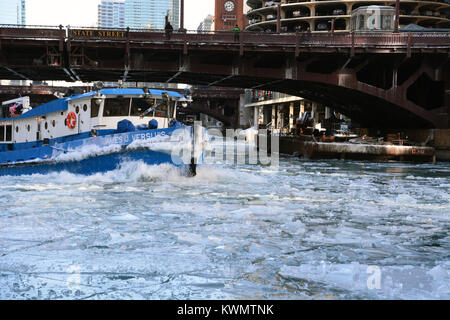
<point>32,32</point>
<point>348,39</point>
<point>29,26</point>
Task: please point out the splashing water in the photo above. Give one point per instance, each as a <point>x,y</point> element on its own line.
<point>324,229</point>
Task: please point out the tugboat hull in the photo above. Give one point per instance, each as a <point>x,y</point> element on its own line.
<point>89,166</point>
<point>106,153</point>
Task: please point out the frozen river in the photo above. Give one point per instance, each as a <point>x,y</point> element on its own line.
<point>307,230</point>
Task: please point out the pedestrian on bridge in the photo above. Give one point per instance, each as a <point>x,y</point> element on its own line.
<point>168,29</point>
<point>308,34</point>
<point>236,31</point>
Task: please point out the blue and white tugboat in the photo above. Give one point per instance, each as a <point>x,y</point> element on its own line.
<point>96,132</point>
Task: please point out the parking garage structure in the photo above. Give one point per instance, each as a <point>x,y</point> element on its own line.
<point>335,15</point>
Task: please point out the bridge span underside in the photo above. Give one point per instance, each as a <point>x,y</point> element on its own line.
<point>398,83</point>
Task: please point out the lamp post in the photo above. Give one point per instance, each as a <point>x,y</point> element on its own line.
<point>181,14</point>
<point>397,15</point>
<point>278,18</point>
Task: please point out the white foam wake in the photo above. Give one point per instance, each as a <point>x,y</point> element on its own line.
<point>139,171</point>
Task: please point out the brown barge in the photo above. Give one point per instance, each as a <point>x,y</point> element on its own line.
<point>308,147</point>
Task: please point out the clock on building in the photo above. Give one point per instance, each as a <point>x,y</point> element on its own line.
<point>228,14</point>
<point>229,6</point>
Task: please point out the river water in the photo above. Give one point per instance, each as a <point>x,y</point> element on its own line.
<point>305,230</point>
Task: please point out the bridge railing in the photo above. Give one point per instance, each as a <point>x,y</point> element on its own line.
<point>159,35</point>
<point>430,39</point>
<point>324,39</point>
<point>31,31</point>
<point>379,39</point>
<point>357,39</point>
<point>400,39</point>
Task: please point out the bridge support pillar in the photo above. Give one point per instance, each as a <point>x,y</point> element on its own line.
<point>302,109</point>
<point>280,118</point>
<point>315,112</point>
<point>349,8</point>
<point>291,116</point>
<point>274,117</point>
<point>327,113</point>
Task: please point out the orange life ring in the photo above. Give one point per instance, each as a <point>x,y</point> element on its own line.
<point>71,120</point>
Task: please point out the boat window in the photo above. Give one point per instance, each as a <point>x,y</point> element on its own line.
<point>116,107</point>
<point>77,109</point>
<point>85,108</point>
<point>161,109</point>
<point>11,110</point>
<point>8,133</point>
<point>2,133</point>
<point>142,107</point>
<point>172,108</point>
<point>95,107</point>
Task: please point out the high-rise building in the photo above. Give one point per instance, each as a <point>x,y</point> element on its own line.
<point>144,14</point>
<point>111,14</point>
<point>207,24</point>
<point>12,12</point>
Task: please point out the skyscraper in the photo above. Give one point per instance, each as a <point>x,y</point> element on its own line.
<point>12,12</point>
<point>143,14</point>
<point>207,24</point>
<point>111,14</point>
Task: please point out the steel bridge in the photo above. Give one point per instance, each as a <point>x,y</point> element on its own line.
<point>385,80</point>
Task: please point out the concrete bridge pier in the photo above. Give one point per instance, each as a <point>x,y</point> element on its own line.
<point>291,117</point>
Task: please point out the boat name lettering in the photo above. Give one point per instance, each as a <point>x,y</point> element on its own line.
<point>117,140</point>
<point>148,135</point>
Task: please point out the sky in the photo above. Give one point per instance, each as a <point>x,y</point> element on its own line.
<point>83,13</point>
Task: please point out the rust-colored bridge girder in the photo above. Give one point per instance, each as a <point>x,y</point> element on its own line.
<point>379,79</point>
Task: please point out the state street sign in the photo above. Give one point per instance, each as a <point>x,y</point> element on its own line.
<point>103,34</point>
